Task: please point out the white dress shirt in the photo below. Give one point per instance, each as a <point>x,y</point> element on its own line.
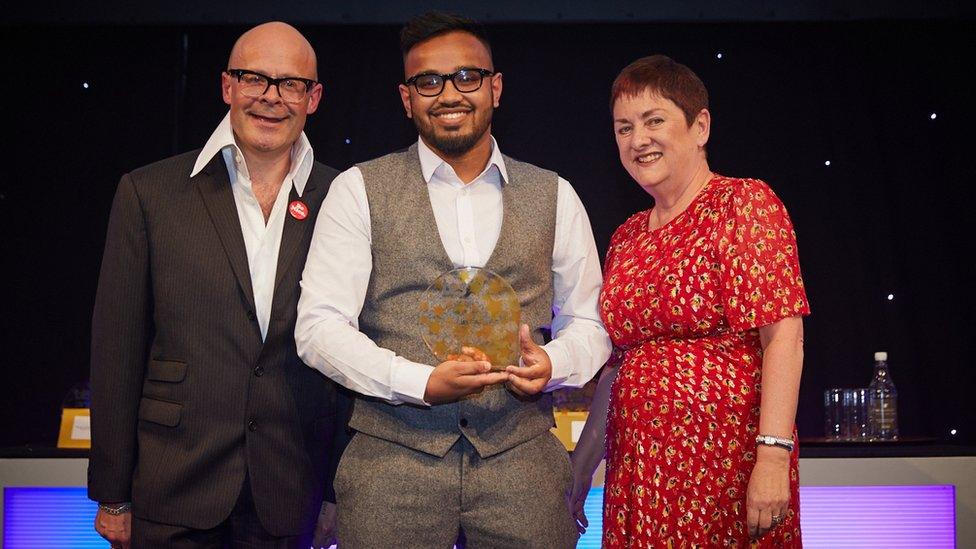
<point>262,240</point>
<point>469,219</point>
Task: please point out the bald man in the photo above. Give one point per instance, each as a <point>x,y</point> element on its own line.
<point>207,429</point>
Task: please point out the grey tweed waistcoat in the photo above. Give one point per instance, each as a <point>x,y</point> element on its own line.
<point>407,256</point>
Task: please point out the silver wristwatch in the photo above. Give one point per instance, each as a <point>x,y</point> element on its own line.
<point>770,440</point>
<point>116,509</point>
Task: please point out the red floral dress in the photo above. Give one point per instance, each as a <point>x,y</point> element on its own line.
<point>684,302</point>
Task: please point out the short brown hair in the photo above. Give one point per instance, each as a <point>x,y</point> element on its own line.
<point>665,76</point>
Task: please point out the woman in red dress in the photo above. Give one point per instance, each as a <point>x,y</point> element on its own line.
<point>703,299</point>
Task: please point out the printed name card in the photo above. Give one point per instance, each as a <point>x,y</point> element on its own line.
<point>569,426</point>
<point>75,428</point>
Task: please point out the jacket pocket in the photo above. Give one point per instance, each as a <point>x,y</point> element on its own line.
<point>160,411</point>
<point>171,371</point>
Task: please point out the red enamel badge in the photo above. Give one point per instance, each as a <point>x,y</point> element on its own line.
<point>298,210</point>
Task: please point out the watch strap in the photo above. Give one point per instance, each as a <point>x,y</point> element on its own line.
<point>116,509</point>
<point>769,440</point>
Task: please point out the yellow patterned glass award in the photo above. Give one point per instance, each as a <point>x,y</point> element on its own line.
<point>471,307</point>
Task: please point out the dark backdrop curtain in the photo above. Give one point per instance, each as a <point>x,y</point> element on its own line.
<point>890,214</point>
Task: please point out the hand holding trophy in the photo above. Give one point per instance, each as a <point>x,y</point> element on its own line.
<point>536,368</point>
<point>470,354</point>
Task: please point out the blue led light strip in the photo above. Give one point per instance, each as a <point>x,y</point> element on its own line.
<point>49,517</point>
<point>834,517</point>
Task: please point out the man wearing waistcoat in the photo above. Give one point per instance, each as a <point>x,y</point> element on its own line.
<point>450,449</point>
<point>207,429</point>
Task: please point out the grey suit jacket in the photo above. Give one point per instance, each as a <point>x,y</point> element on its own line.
<point>186,398</point>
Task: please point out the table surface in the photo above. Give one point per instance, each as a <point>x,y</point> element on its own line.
<point>903,447</point>
<point>809,448</point>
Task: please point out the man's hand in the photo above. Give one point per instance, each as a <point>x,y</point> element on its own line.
<point>470,354</point>
<point>116,529</point>
<point>536,370</point>
<point>454,379</point>
<point>325,527</point>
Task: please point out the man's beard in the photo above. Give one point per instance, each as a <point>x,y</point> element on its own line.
<point>452,143</point>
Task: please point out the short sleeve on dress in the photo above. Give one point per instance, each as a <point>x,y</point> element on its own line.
<point>758,260</point>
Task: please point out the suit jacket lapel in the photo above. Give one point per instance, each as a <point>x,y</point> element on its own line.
<point>296,233</point>
<point>292,235</point>
<point>214,185</point>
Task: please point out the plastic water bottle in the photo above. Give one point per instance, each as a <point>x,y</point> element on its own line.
<point>882,402</point>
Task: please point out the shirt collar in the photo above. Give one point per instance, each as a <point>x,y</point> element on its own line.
<point>429,161</point>
<point>302,157</point>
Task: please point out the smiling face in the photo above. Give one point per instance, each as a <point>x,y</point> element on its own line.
<point>656,144</point>
<point>452,123</point>
<point>267,125</point>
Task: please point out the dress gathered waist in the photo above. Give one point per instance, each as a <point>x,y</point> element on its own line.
<point>725,338</point>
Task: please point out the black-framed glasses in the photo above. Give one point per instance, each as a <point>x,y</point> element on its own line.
<point>291,89</point>
<point>465,81</point>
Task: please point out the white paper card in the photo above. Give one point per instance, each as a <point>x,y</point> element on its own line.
<point>81,428</point>
<point>577,430</point>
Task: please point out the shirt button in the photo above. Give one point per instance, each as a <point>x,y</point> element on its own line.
<point>463,422</point>
<point>252,426</point>
<point>259,371</point>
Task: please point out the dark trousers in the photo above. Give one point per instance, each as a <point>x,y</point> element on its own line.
<point>241,530</point>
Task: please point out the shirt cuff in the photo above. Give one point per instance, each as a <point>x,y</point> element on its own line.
<point>409,380</point>
<point>562,366</point>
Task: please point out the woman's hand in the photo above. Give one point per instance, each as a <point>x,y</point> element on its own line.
<point>582,480</point>
<point>768,495</point>
<point>589,449</point>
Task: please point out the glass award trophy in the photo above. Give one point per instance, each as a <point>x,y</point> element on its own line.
<point>471,312</point>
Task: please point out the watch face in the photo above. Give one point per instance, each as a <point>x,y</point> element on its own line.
<point>769,440</point>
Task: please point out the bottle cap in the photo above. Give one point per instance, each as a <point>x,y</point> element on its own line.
<point>880,356</point>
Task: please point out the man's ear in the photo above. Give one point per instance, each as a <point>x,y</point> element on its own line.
<point>405,98</point>
<point>496,89</point>
<point>315,97</point>
<point>226,81</point>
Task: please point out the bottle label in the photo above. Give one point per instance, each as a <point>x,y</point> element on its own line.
<point>883,417</point>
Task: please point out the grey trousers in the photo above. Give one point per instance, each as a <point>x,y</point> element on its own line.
<point>392,496</point>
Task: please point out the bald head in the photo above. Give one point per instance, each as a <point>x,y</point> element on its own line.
<point>274,43</point>
<point>268,125</point>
